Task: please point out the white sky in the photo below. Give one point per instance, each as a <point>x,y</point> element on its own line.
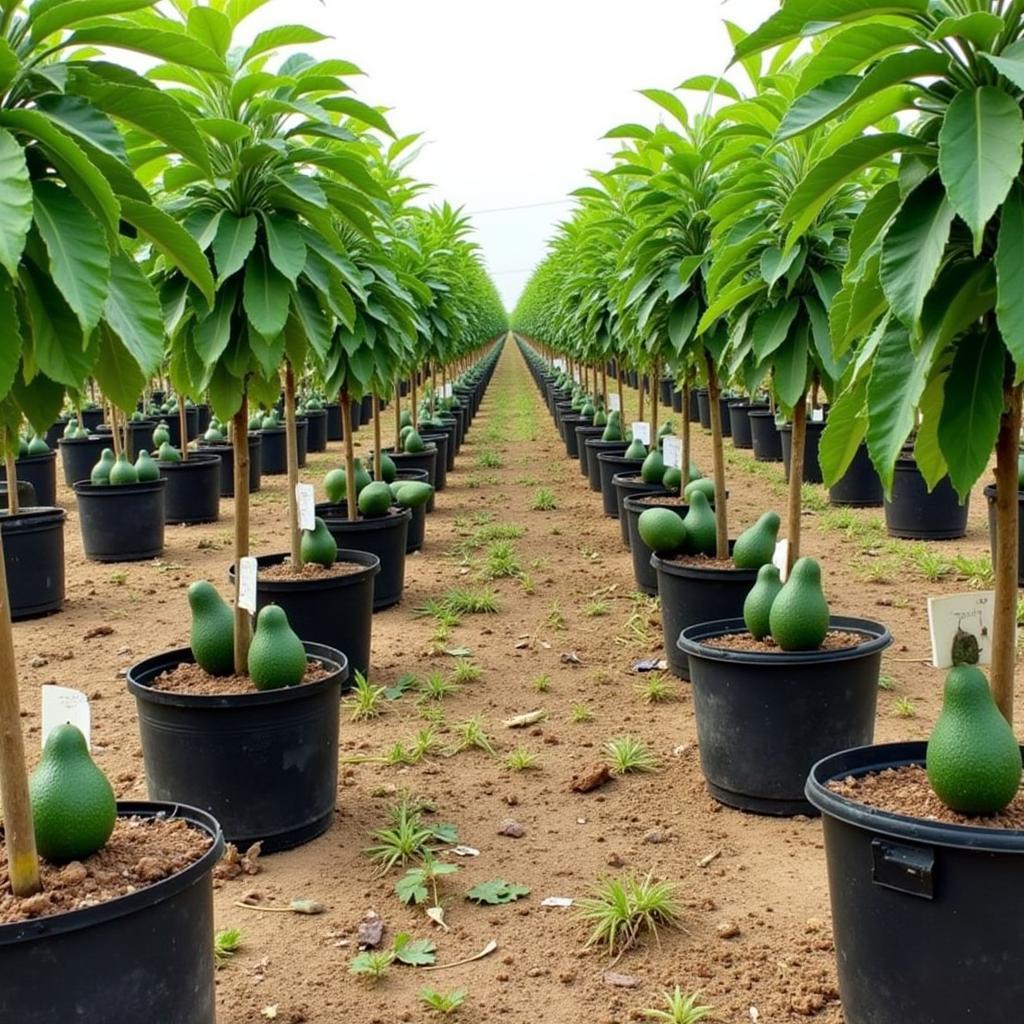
<point>514,98</point>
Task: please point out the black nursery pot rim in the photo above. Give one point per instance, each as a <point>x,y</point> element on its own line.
<point>86,487</point>
<point>25,518</point>
<point>333,660</point>
<point>121,906</point>
<point>370,564</point>
<point>698,572</point>
<point>338,515</point>
<point>202,458</point>
<point>860,761</point>
<point>876,638</point>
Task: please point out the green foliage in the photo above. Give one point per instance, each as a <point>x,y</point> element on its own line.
<point>497,891</point>
<point>622,909</point>
<point>628,754</point>
<point>226,942</point>
<point>444,1004</point>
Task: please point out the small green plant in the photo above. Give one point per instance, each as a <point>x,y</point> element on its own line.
<point>657,689</point>
<point>903,707</point>
<point>365,701</point>
<point>976,572</point>
<point>496,892</point>
<point>595,609</point>
<point>436,687</point>
<point>526,581</point>
<point>466,672</point>
<point>930,564</point>
<point>444,1004</point>
<point>119,579</point>
<point>407,837</point>
<point>471,734</point>
<point>470,601</point>
<point>622,909</point>
<point>555,619</point>
<point>544,501</point>
<point>628,754</point>
<point>226,943</point>
<point>580,713</point>
<point>521,760</point>
<point>372,965</point>
<point>419,884</point>
<point>542,684</point>
<point>886,682</point>
<point>489,459</point>
<point>680,1008</point>
<point>501,560</point>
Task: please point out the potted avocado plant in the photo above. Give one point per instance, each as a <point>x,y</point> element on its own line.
<point>941,349</point>
<point>65,176</point>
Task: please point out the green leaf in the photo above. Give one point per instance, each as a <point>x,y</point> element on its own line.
<point>775,263</point>
<point>872,222</point>
<point>1010,62</point>
<point>9,64</point>
<point>972,408</point>
<point>497,891</point>
<point>630,131</point>
<point>414,952</point>
<point>214,332</point>
<point>682,320</point>
<point>360,111</point>
<point>15,202</point>
<point>211,28</point>
<point>134,314</point>
<point>844,432</point>
<point>927,451</point>
<point>1009,275</point>
<point>172,241</point>
<point>49,16</point>
<point>670,102</point>
<point>980,28</point>
<point>790,367</point>
<point>914,248</point>
<point>10,336</point>
<point>818,105</point>
<point>225,392</point>
<point>173,47</point>
<point>316,327</point>
<point>980,146</point>
<point>411,887</point>
<point>281,35</point>
<point>77,248</point>
<point>223,129</point>
<point>40,400</point>
<point>57,340</point>
<point>771,328</point>
<point>285,244</point>
<point>79,117</point>
<point>233,242</point>
<point>711,83</point>
<point>267,295</point>
<point>849,50</point>
<point>117,372</point>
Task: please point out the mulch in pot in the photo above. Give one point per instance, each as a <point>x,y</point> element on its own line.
<point>189,678</point>
<point>835,640</point>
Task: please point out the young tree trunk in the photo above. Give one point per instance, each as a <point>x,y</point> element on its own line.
<point>643,388</point>
<point>618,386</point>
<point>414,405</point>
<point>686,436</point>
<point>796,478</point>
<point>433,387</point>
<point>291,442</point>
<point>240,443</point>
<point>182,426</point>
<point>718,460</point>
<point>115,436</point>
<point>655,402</point>
<point>377,473</point>
<point>13,501</point>
<point>398,415</point>
<point>350,460</point>
<point>1004,622</point>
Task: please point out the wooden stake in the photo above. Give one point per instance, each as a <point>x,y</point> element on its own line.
<point>291,441</point>
<point>182,426</point>
<point>655,402</point>
<point>350,460</point>
<point>718,458</point>
<point>13,501</point>
<point>398,415</point>
<point>240,441</point>
<point>796,477</point>
<point>686,435</point>
<point>378,473</point>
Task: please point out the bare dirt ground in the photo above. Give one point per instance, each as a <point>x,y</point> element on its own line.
<point>756,939</point>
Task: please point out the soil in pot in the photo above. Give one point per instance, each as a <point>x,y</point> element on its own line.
<point>34,560</point>
<point>146,899</point>
<point>123,523</point>
<point>765,716</point>
<point>193,489</point>
<point>41,472</point>
<point>915,514</point>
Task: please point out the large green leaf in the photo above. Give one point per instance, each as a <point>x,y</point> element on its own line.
<point>980,148</point>
<point>850,49</point>
<point>49,16</point>
<point>9,64</point>
<point>174,47</point>
<point>233,242</point>
<point>360,111</point>
<point>1010,62</point>
<point>77,250</point>
<point>1010,277</point>
<point>980,28</point>
<point>214,331</point>
<point>771,328</point>
<point>914,248</point>
<point>927,451</point>
<point>972,408</point>
<point>116,371</point>
<point>80,118</point>
<point>40,400</point>
<point>281,35</point>
<point>790,367</point>
<point>15,202</point>
<point>134,314</point>
<point>285,245</point>
<point>668,101</point>
<point>844,432</point>
<point>872,222</point>
<point>57,341</point>
<point>10,336</point>
<point>211,28</point>
<point>267,295</point>
<point>225,392</point>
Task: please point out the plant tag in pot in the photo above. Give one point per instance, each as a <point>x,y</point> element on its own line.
<point>672,451</point>
<point>642,432</point>
<point>247,584</point>
<point>62,706</point>
<point>817,415</point>
<point>971,613</point>
<point>781,559</point>
<point>307,506</point>
<point>614,405</point>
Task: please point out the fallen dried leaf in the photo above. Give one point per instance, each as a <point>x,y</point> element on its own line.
<point>529,718</point>
<point>621,980</point>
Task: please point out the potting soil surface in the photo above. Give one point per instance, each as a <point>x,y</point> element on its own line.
<point>835,640</point>
<point>189,678</point>
<point>756,937</point>
<point>310,571</point>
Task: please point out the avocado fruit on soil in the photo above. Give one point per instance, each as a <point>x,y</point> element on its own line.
<point>100,475</point>
<point>161,434</point>
<point>600,418</point>
<point>636,450</point>
<point>662,530</point>
<point>388,469</point>
<point>757,606</point>
<point>413,443</point>
<point>168,453</point>
<point>375,500</point>
<point>37,446</point>
<point>73,803</point>
<point>145,468</point>
<point>653,469</point>
<point>613,428</point>
<point>702,484</point>
<point>799,615</point>
<point>973,759</point>
<point>123,472</point>
<point>212,636</point>
<point>701,529</point>
<point>672,479</point>
<point>336,483</point>
<point>318,545</point>
<point>412,493</point>
<point>756,547</point>
<point>276,655</point>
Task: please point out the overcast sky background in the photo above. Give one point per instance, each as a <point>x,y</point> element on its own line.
<point>514,98</point>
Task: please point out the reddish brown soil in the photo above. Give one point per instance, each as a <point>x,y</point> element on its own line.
<point>310,571</point>
<point>141,851</point>
<point>765,885</point>
<point>834,641</point>
<point>191,679</point>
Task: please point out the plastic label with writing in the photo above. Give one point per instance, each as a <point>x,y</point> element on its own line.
<point>817,415</point>
<point>306,498</point>
<point>614,405</point>
<point>970,612</point>
<point>642,432</point>
<point>672,450</point>
<point>247,584</point>
<point>61,705</point>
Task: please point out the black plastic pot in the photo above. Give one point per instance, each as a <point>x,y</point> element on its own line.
<point>643,572</point>
<point>173,421</point>
<point>383,536</point>
<point>78,456</point>
<point>922,912</point>
<point>366,409</point>
<point>55,433</point>
<point>26,495</point>
<point>677,400</point>
<point>627,485</point>
<point>595,447</point>
<point>74,966</point>
<point>990,497</point>
<point>417,460</point>
<point>765,436</point>
<point>914,514</point>
<point>41,472</point>
<point>569,436</point>
<point>34,561</point>
<point>316,430</point>
<point>335,611</point>
<point>140,437</point>
<point>704,408</point>
<point>860,486</point>
<point>739,422</point>
<point>812,467</point>
<point>302,439</point>
<point>193,489</point>
<point>584,432</point>
<point>227,464</point>
<point>666,390</point>
<point>203,416</point>
<point>609,466</point>
<point>440,442</point>
<point>91,419</point>
<point>334,431</point>
<point>723,414</point>
<point>121,524</point>
<point>264,763</point>
<point>275,451</point>
<point>691,594</point>
<point>764,719</point>
<point>694,411</point>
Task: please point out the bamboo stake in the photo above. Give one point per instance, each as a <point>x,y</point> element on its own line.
<point>115,437</point>
<point>13,501</point>
<point>240,441</point>
<point>182,426</point>
<point>377,471</point>
<point>655,402</point>
<point>350,459</point>
<point>412,399</point>
<point>686,435</point>
<point>721,514</point>
<point>291,441</point>
<point>398,415</point>
<point>796,477</point>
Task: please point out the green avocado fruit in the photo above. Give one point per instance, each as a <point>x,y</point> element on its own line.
<point>37,446</point>
<point>161,434</point>
<point>73,803</point>
<point>413,493</point>
<point>276,655</point>
<point>653,469</point>
<point>662,530</point>
<point>757,606</point>
<point>702,484</point>
<point>168,453</point>
<point>100,475</point>
<point>212,635</point>
<point>701,529</point>
<point>122,473</point>
<point>375,500</point>
<point>388,469</point>
<point>973,759</point>
<point>414,443</point>
<point>318,545</point>
<point>799,615</point>
<point>636,450</point>
<point>756,547</point>
<point>145,468</point>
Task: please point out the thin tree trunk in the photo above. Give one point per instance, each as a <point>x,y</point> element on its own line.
<point>115,437</point>
<point>433,387</point>
<point>718,459</point>
<point>350,460</point>
<point>618,385</point>
<point>182,426</point>
<point>796,478</point>
<point>13,502</point>
<point>291,441</point>
<point>19,834</point>
<point>377,473</point>
<point>398,415</point>
<point>604,383</point>
<point>1004,622</point>
<point>414,403</point>
<point>643,388</point>
<point>240,441</point>
<point>655,402</point>
<point>686,436</point>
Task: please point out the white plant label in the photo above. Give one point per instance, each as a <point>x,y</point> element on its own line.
<point>970,612</point>
<point>556,901</point>
<point>817,415</point>
<point>672,451</point>
<point>559,364</point>
<point>448,390</point>
<point>781,559</point>
<point>306,498</point>
<point>614,405</point>
<point>247,584</point>
<point>61,706</point>
<point>642,431</point>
